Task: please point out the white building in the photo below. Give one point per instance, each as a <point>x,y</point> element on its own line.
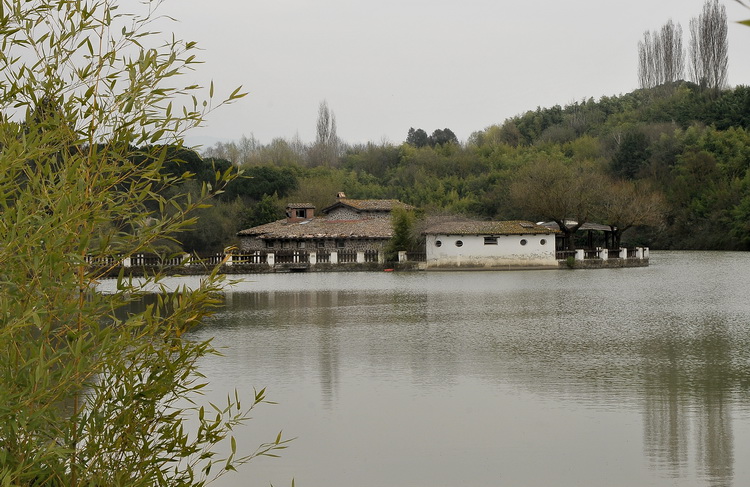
<point>499,244</point>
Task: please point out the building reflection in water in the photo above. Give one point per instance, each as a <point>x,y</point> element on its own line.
<point>314,309</point>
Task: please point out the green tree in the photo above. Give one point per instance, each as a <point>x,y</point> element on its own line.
<point>631,155</point>
<point>417,138</point>
<point>442,137</point>
<point>403,233</point>
<point>267,210</point>
<point>91,394</point>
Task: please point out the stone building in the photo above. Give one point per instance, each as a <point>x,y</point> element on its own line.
<point>347,225</point>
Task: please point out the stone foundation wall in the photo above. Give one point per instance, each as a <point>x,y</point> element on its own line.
<point>603,264</point>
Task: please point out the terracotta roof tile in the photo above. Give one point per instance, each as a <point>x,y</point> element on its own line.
<point>514,227</point>
<point>368,205</point>
<point>322,228</point>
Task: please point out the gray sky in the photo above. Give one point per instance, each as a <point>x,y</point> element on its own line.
<point>384,66</point>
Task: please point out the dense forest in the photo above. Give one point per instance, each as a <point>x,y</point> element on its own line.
<point>667,165</point>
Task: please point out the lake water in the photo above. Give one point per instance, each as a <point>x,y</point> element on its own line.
<point>611,377</point>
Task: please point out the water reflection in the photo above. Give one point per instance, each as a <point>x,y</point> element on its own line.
<point>664,351</point>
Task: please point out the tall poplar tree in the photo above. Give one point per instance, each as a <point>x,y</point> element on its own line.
<point>709,47</point>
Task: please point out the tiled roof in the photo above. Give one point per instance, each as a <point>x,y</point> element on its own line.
<point>585,226</point>
<point>322,228</point>
<point>515,227</point>
<point>368,205</point>
<point>301,205</point>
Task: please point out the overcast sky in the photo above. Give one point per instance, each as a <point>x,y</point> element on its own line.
<point>384,66</point>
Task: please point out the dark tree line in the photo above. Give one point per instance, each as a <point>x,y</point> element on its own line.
<point>419,138</point>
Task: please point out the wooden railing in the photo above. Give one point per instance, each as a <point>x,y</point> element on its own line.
<point>292,257</point>
<point>248,258</point>
<point>416,256</point>
<point>347,257</point>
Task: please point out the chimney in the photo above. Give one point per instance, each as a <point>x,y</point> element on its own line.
<point>298,212</point>
<point>340,195</point>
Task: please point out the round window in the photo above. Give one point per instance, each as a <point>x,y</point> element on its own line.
<point>438,243</point>
<point>543,241</point>
<point>459,243</point>
<point>523,241</point>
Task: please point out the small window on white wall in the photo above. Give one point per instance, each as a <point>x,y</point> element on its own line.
<point>523,241</point>
<point>490,240</point>
<point>543,241</point>
<point>438,243</point>
<point>459,243</point>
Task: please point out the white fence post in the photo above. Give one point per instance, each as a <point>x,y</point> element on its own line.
<point>580,254</point>
<point>271,259</point>
<point>334,257</point>
<point>402,255</point>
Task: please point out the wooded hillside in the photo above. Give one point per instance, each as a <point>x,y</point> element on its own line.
<point>679,151</point>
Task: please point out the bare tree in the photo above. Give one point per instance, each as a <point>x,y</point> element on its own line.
<point>661,56</point>
<point>626,204</point>
<point>566,193</point>
<point>672,53</point>
<point>709,47</point>
<point>325,151</point>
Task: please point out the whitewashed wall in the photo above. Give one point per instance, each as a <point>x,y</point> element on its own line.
<point>539,251</point>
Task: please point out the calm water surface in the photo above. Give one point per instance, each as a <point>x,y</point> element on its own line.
<point>622,377</point>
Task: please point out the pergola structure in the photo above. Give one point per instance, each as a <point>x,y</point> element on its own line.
<point>591,230</point>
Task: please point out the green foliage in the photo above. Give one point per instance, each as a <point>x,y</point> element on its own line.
<point>267,210</point>
<point>631,155</point>
<point>91,393</point>
<point>403,234</point>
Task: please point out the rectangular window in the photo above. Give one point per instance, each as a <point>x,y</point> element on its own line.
<point>301,244</point>
<point>339,244</point>
<point>321,244</point>
<point>490,240</point>
<point>270,244</point>
<point>285,244</point>
<point>301,213</point>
